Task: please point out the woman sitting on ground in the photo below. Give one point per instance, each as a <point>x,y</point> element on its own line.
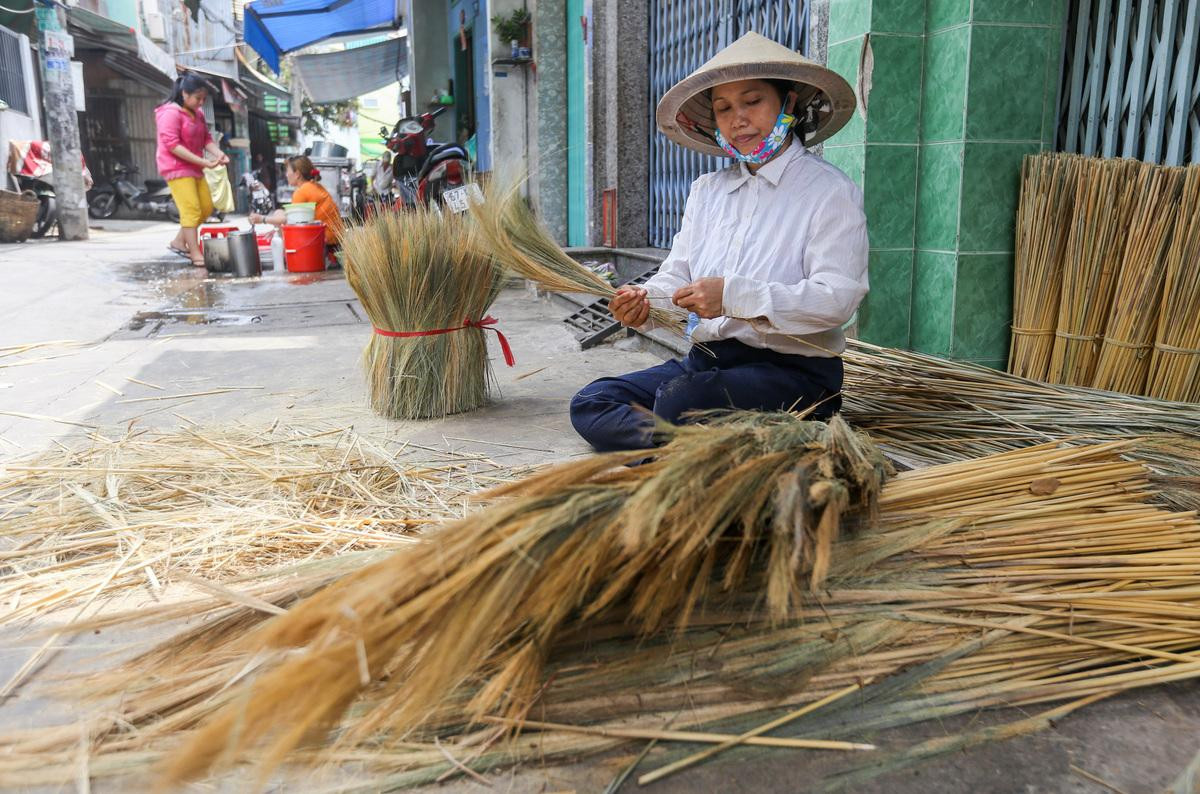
<point>770,259</point>
<point>306,179</point>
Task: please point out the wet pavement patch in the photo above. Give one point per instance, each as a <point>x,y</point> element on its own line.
<point>148,324</point>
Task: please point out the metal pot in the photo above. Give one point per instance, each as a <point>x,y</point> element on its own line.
<point>323,149</point>
<point>216,254</point>
<point>243,254</point>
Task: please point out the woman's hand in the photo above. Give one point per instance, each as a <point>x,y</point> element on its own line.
<point>630,307</point>
<point>255,218</point>
<point>703,296</point>
<point>210,163</point>
<point>223,159</point>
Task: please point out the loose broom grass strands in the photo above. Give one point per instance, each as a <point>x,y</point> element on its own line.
<point>523,245</point>
<point>681,736</point>
<point>691,760</point>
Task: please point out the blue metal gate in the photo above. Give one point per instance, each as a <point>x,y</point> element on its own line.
<point>683,35</point>
<point>1131,82</point>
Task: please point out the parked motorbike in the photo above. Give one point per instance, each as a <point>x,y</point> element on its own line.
<point>424,171</point>
<point>154,197</point>
<point>32,172</point>
<point>43,191</point>
<point>260,196</point>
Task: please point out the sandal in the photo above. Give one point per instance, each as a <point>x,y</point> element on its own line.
<point>181,251</point>
<point>197,263</point>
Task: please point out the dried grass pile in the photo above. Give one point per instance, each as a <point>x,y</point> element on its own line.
<point>142,513</point>
<point>426,281</point>
<point>1036,576</point>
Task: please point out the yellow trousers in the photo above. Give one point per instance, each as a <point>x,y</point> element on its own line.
<point>193,199</point>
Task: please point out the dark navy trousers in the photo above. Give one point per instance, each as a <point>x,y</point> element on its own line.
<point>611,413</point>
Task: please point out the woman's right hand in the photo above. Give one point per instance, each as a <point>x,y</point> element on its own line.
<point>630,306</point>
<point>255,218</point>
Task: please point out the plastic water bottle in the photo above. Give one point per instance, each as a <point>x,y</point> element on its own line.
<point>277,250</point>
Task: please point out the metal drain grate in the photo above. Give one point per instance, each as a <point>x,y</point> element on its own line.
<point>593,324</point>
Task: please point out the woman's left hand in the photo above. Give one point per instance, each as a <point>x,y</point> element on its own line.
<point>703,296</point>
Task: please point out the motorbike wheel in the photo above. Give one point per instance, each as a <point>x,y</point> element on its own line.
<point>103,205</point>
<point>45,217</point>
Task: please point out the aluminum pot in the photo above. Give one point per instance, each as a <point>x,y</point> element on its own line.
<point>216,254</point>
<point>243,254</point>
<point>324,149</point>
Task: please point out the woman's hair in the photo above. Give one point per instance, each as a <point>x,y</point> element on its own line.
<point>303,166</point>
<point>188,83</point>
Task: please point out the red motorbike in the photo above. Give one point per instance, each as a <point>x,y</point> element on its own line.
<point>424,171</point>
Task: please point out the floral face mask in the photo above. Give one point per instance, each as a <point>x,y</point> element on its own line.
<point>768,148</point>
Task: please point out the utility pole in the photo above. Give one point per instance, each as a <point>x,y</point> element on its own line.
<point>62,125</point>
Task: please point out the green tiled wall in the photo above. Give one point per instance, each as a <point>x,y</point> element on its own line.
<point>961,90</point>
<point>880,148</point>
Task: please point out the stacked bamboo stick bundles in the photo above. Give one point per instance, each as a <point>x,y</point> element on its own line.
<point>1175,364</point>
<point>1104,249</point>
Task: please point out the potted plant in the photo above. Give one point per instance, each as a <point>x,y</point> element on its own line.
<point>513,27</point>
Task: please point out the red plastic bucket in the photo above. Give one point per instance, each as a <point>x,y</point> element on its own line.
<point>215,231</point>
<point>304,247</point>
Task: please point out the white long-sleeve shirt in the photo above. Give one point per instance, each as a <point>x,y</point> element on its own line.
<point>790,242</point>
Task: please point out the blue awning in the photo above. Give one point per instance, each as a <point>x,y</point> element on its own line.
<point>275,27</point>
<point>336,76</point>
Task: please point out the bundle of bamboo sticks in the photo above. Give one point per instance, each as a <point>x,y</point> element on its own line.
<point>1104,249</point>
<point>1124,361</point>
<point>1048,186</point>
<point>1175,364</point>
<point>1101,211</point>
<point>1028,577</point>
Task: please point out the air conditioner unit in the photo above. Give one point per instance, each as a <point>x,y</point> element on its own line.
<point>156,26</point>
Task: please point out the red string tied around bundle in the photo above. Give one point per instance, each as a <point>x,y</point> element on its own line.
<point>486,324</point>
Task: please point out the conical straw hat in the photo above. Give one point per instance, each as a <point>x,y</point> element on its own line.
<point>755,57</point>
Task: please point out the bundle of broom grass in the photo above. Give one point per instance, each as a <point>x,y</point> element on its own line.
<point>1175,364</point>
<point>427,277</point>
<point>1048,184</point>
<point>1124,361</point>
<point>521,243</point>
<point>1034,576</point>
<point>1105,197</point>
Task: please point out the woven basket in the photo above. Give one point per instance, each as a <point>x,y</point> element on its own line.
<point>17,215</point>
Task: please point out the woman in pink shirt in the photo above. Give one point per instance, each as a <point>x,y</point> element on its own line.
<point>185,148</point>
